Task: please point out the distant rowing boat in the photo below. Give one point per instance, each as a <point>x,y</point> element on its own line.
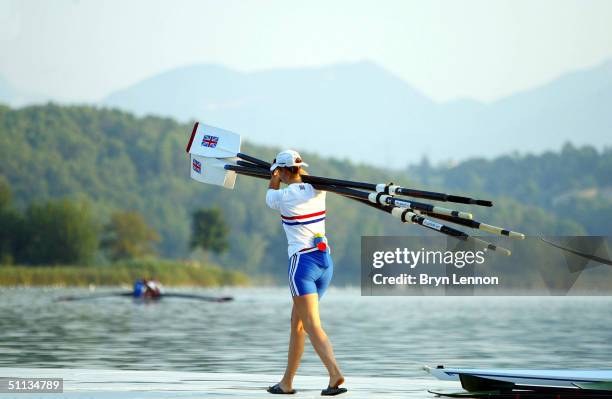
<point>130,294</point>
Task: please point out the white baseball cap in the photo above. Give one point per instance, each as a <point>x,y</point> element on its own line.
<point>287,159</point>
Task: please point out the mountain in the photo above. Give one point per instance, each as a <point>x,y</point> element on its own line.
<point>362,112</point>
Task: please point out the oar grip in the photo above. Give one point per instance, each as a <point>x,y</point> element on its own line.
<point>403,214</point>
<point>450,212</point>
<point>500,231</point>
<point>492,247</point>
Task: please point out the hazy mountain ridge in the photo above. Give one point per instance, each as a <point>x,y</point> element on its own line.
<point>363,112</point>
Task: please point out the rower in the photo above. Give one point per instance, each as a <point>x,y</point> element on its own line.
<point>145,288</point>
<point>139,288</point>
<point>153,289</point>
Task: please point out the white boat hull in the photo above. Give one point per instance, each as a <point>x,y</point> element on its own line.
<point>527,377</point>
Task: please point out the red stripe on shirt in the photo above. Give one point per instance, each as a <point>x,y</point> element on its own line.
<point>303,216</point>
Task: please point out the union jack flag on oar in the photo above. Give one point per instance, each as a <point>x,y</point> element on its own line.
<point>197,166</point>
<point>210,141</point>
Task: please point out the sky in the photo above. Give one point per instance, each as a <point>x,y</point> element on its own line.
<point>80,51</point>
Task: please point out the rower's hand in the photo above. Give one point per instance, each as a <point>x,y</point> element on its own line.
<point>303,172</point>
<point>274,179</point>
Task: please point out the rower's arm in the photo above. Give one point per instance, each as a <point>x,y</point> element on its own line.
<point>273,196</point>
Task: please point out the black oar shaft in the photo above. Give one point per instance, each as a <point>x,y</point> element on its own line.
<point>342,183</point>
<point>254,160</point>
<point>431,195</point>
<point>477,225</point>
<point>247,164</point>
<point>373,197</point>
<point>404,214</point>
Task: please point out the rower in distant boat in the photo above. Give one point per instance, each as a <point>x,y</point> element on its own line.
<point>154,289</point>
<point>145,288</point>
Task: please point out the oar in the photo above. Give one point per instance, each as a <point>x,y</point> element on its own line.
<point>212,142</point>
<point>392,189</point>
<point>199,297</point>
<point>379,198</point>
<point>226,145</point>
<point>401,213</point>
<point>479,241</point>
<point>477,225</point>
<point>578,253</point>
<point>453,219</point>
<point>93,296</point>
<point>380,188</point>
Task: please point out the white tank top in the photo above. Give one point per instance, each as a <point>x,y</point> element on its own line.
<point>302,210</point>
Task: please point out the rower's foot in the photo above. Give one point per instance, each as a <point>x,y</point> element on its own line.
<point>336,380</point>
<point>333,388</point>
<point>280,389</point>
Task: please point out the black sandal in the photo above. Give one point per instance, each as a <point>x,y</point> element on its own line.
<point>277,390</point>
<point>329,391</point>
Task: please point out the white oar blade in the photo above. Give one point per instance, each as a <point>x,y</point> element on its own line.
<point>212,171</point>
<point>213,142</point>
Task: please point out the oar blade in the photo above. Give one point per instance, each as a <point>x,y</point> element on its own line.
<point>212,171</point>
<point>213,142</point>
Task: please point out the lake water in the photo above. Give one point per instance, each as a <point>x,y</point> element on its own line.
<point>373,336</point>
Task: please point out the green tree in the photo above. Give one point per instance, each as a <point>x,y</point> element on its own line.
<point>11,225</point>
<point>209,230</point>
<point>60,232</point>
<point>128,236</point>
<point>5,193</point>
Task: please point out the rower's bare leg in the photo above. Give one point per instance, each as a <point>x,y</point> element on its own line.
<point>296,350</point>
<point>307,308</point>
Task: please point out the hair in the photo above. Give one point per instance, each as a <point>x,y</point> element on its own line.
<point>294,170</point>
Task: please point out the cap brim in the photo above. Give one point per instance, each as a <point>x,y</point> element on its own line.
<point>275,165</point>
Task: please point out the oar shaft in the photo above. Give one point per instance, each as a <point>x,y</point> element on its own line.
<point>389,200</point>
<point>342,183</point>
<point>480,242</point>
<point>406,216</point>
<point>251,165</point>
<point>383,188</point>
<point>254,160</point>
<point>477,225</point>
<point>372,197</point>
<point>395,211</point>
<point>409,192</point>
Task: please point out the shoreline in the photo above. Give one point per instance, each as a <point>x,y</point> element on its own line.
<point>170,273</point>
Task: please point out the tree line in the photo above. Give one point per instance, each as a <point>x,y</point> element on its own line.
<point>66,232</point>
<point>112,160</point>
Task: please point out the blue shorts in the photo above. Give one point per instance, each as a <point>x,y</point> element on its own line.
<point>310,272</point>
